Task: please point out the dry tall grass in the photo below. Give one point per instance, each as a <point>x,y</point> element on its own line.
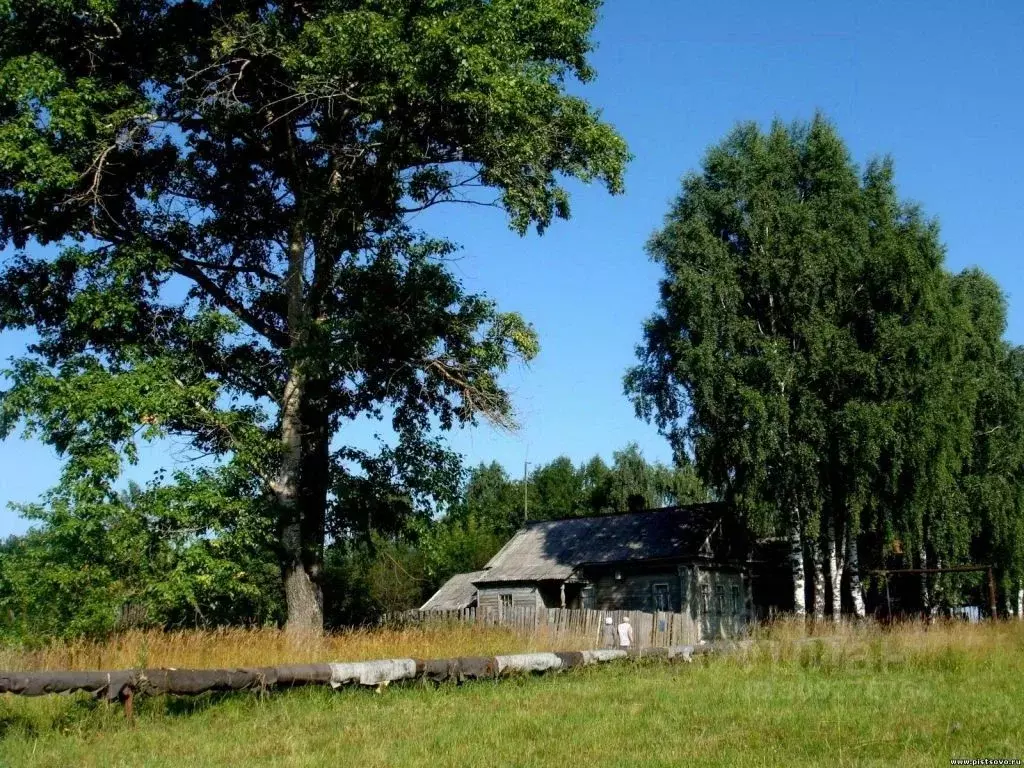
<point>782,641</point>
<point>236,647</point>
<point>867,642</point>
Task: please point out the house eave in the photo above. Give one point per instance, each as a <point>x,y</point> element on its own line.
<point>508,582</point>
<point>699,560</point>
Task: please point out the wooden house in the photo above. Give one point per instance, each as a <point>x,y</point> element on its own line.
<point>689,559</point>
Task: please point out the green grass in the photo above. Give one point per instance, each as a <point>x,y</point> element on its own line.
<point>871,701</point>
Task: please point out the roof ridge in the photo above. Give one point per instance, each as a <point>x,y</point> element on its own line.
<point>623,513</point>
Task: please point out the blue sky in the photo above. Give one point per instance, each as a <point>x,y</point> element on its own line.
<point>937,84</point>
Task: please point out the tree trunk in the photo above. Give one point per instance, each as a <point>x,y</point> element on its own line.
<point>1020,599</point>
<point>853,565</point>
<point>926,599</point>
<point>300,557</point>
<point>796,561</point>
<point>818,575</point>
<point>300,517</point>
<point>835,571</point>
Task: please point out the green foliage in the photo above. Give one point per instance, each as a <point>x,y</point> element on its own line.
<point>492,498</point>
<point>826,372</point>
<point>201,550</point>
<point>225,188</point>
<point>191,553</point>
<point>560,489</point>
<point>456,545</point>
<point>633,483</point>
<point>557,488</point>
<point>738,362</point>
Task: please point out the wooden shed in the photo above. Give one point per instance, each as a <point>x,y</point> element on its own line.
<point>457,594</point>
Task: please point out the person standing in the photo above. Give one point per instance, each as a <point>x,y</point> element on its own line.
<point>608,633</point>
<point>625,634</point>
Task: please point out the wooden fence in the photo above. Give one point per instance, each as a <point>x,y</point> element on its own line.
<point>657,630</point>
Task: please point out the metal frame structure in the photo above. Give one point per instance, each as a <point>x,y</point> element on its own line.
<point>992,603</point>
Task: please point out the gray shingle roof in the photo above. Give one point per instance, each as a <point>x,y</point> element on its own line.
<point>456,593</point>
<point>553,549</point>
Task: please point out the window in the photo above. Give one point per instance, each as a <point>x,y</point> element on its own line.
<point>720,600</point>
<point>661,597</point>
<point>587,597</point>
<point>705,597</point>
<point>737,603</point>
<point>506,602</point>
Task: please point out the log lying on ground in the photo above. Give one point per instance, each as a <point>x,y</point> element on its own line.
<point>115,684</point>
<point>100,684</point>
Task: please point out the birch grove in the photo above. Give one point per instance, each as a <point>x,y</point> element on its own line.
<point>826,374</point>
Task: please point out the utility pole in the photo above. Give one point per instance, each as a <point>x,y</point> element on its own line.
<point>526,486</point>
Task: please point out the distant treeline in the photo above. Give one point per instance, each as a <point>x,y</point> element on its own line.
<point>173,556</point>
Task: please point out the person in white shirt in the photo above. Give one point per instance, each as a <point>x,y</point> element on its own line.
<point>625,633</point>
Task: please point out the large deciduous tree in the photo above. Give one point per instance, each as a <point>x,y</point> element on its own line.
<point>227,184</point>
<point>742,358</point>
<point>823,367</point>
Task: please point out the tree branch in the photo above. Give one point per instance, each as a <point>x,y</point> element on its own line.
<point>437,199</point>
<point>183,267</point>
<point>266,274</point>
<point>491,405</point>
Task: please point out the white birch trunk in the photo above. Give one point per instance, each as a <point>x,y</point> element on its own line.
<point>835,571</point>
<point>818,563</point>
<point>926,598</point>
<point>1020,600</point>
<point>796,562</point>
<point>938,585</point>
<point>853,563</point>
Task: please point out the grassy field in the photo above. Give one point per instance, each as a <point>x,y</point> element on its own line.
<point>266,647</point>
<point>854,696</point>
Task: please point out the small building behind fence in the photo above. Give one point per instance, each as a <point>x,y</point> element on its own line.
<point>688,561</point>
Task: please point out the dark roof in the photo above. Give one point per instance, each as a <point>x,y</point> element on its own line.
<point>553,549</point>
<point>457,593</point>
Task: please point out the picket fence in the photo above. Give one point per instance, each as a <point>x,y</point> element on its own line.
<point>659,630</point>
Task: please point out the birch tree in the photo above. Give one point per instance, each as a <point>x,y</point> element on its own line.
<point>758,253</point>
<point>993,481</point>
<point>811,350</point>
<point>910,444</point>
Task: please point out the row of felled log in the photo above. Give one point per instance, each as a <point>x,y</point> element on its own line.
<point>123,683</point>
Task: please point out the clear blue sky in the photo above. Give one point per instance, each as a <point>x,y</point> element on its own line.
<point>937,84</point>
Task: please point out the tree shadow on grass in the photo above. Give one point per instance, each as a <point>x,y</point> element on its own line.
<point>189,706</point>
<point>32,718</point>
